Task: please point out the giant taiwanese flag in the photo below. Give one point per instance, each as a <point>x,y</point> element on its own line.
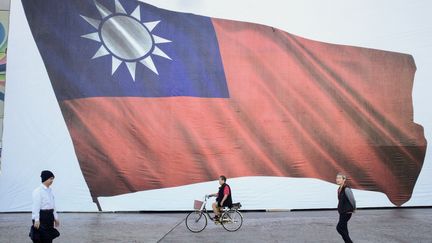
<point>154,99</point>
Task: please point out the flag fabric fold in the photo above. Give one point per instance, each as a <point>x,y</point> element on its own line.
<point>154,99</point>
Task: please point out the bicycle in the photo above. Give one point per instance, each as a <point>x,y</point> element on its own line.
<point>231,219</point>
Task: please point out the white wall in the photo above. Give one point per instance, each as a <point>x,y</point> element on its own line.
<point>35,136</point>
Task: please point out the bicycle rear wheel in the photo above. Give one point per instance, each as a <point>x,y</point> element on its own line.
<point>232,220</point>
<point>196,221</point>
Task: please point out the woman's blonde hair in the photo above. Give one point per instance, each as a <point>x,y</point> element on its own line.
<point>342,175</point>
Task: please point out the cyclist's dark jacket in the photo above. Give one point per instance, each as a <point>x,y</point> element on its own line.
<point>228,201</point>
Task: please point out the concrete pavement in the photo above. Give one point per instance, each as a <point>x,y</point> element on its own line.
<point>385,225</point>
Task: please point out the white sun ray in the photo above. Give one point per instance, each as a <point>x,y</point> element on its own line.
<point>160,53</point>
<point>101,52</point>
<point>119,8</point>
<point>115,64</point>
<point>92,36</point>
<point>159,40</point>
<point>148,62</point>
<point>131,67</point>
<point>151,25</point>
<point>102,10</point>
<point>93,22</point>
<point>136,13</point>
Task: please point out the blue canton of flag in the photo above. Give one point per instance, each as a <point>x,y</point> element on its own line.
<point>125,48</point>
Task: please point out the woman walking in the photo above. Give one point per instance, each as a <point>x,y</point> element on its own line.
<point>346,206</point>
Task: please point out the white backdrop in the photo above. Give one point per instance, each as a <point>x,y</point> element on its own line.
<point>36,138</point>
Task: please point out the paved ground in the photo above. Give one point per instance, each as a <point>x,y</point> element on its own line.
<point>389,225</point>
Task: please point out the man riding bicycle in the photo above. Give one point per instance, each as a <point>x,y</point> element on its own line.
<point>223,197</point>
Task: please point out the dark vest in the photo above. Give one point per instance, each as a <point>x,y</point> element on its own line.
<point>344,205</point>
<point>228,201</point>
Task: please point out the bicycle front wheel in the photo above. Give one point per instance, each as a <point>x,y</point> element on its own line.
<point>232,220</point>
<point>196,221</point>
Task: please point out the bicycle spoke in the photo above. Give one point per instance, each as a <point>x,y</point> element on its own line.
<point>232,220</point>
<point>196,221</point>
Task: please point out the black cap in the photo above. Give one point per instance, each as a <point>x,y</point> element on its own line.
<point>46,174</point>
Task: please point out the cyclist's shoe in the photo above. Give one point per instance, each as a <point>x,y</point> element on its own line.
<point>216,219</point>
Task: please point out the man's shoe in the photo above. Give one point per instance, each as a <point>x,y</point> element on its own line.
<point>217,219</point>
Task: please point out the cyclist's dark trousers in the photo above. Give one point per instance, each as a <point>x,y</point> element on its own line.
<point>342,226</point>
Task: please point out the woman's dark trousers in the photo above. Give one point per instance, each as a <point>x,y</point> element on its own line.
<point>342,226</point>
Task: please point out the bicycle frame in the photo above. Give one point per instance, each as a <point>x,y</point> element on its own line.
<point>203,209</point>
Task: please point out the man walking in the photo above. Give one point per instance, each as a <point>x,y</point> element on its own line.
<point>44,214</point>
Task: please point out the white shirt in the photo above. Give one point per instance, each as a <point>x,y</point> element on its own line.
<point>43,198</point>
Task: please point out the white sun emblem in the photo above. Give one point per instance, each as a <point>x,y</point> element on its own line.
<point>125,38</point>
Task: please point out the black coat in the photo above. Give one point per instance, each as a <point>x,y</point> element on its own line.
<point>228,201</point>
<point>344,205</point>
